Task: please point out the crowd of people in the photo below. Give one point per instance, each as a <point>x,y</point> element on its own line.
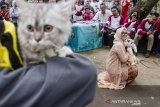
<point>93,9</point>
<point>120,24</point>
<point>9,13</point>
<point>116,14</point>
<point>112,13</point>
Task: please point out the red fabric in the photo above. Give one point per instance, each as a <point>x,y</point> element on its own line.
<point>5,15</point>
<point>79,13</point>
<point>125,9</point>
<point>106,24</point>
<point>142,28</point>
<point>127,23</point>
<point>88,16</point>
<point>121,21</point>
<point>157,26</point>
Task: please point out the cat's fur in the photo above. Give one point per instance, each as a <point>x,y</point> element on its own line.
<point>36,44</point>
<point>131,50</point>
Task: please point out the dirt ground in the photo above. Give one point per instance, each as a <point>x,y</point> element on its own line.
<point>149,68</point>
<point>145,89</point>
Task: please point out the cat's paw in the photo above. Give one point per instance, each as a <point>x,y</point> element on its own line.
<point>64,51</point>
<point>50,53</point>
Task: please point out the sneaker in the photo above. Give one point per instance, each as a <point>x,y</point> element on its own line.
<point>136,54</point>
<point>147,55</point>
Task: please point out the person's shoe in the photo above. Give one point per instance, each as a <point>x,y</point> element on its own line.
<point>147,55</point>
<point>136,54</point>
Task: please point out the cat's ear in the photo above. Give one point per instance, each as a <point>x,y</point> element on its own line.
<point>66,7</point>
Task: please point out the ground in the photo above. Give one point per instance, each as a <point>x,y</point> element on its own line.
<point>146,87</point>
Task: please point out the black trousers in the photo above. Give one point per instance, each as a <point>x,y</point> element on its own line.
<point>156,45</point>
<point>108,38</point>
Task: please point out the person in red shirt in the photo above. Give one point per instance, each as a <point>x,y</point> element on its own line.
<point>88,14</point>
<point>146,29</point>
<point>114,22</point>
<point>131,23</point>
<point>78,11</point>
<point>125,8</point>
<point>5,12</point>
<point>157,28</point>
<point>3,2</point>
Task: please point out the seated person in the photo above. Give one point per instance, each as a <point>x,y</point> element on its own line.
<point>115,3</point>
<point>78,11</point>
<point>146,29</point>
<point>4,12</point>
<point>88,4</point>
<point>88,14</point>
<point>95,5</point>
<point>13,13</point>
<point>156,45</point>
<point>131,23</point>
<point>119,70</point>
<point>3,2</point>
<point>114,22</point>
<point>103,14</point>
<point>1,18</point>
<point>106,2</point>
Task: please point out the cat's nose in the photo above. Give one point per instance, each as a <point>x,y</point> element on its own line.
<point>38,39</point>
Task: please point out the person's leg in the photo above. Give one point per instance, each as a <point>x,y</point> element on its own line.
<point>105,34</point>
<point>111,34</point>
<point>158,46</point>
<point>150,45</point>
<point>136,39</point>
<point>111,38</point>
<point>132,74</point>
<point>155,44</point>
<point>106,37</point>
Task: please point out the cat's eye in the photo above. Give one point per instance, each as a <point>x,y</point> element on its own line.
<point>48,28</point>
<point>30,28</point>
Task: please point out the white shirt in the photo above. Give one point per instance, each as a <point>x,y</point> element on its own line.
<point>102,17</point>
<point>95,6</point>
<point>147,26</point>
<point>115,22</point>
<point>130,27</point>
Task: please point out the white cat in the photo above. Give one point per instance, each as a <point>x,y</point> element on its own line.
<point>43,29</point>
<point>131,49</point>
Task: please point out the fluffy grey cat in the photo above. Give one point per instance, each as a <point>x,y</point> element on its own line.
<point>43,29</point>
